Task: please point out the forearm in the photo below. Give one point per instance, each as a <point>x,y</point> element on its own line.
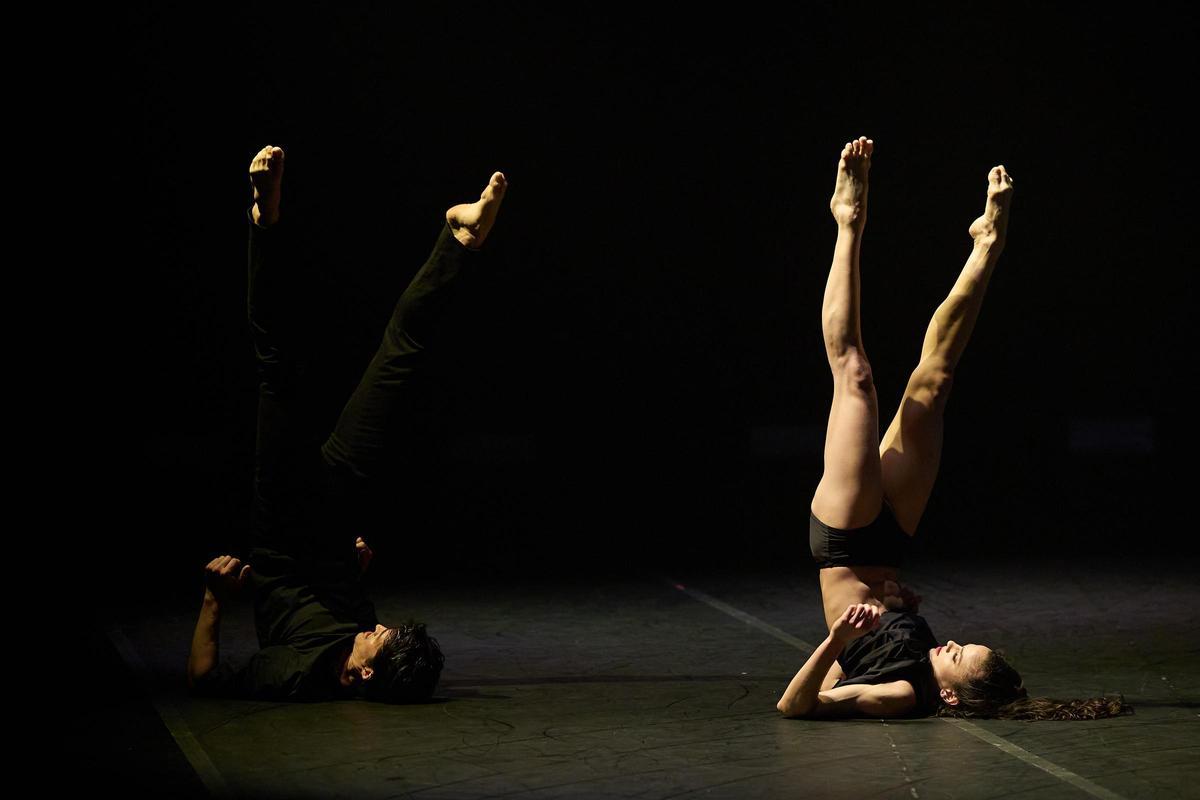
<point>205,652</point>
<point>802,693</point>
<point>834,675</point>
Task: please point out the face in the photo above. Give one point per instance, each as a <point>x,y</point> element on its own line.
<point>954,664</point>
<point>366,646</point>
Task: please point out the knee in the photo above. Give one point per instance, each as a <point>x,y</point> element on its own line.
<point>854,372</point>
<point>931,382</point>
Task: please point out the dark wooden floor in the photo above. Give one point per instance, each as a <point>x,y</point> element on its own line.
<point>652,685</point>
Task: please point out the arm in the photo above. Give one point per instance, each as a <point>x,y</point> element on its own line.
<point>803,694</point>
<point>870,700</point>
<point>205,640</point>
<point>834,675</point>
<point>223,578</point>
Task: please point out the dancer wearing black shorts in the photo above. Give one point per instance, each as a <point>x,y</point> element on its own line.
<point>880,658</point>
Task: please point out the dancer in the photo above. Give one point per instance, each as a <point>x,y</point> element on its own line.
<point>880,659</point>
<point>317,630</point>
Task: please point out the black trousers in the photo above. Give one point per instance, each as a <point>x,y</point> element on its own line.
<point>312,489</point>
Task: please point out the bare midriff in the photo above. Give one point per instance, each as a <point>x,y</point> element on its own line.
<point>843,586</point>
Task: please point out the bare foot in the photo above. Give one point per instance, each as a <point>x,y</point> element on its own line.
<point>266,173</point>
<point>849,203</point>
<point>471,222</point>
<point>990,229</point>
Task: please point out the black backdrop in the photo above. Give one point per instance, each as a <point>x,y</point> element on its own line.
<point>642,381</point>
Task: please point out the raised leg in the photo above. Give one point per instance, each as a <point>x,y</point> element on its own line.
<point>286,464</point>
<point>911,450</point>
<point>386,394</point>
<point>850,492</point>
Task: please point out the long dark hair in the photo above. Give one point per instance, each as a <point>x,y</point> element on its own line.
<point>407,667</point>
<point>996,692</point>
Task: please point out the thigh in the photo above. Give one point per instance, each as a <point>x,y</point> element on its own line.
<point>850,493</point>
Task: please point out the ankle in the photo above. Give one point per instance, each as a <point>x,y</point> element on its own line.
<point>990,245</point>
<point>466,240</point>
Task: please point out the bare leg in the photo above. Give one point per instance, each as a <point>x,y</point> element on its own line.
<point>850,493</point>
<point>912,446</point>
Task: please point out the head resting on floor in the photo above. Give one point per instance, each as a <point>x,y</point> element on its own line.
<point>994,690</point>
<point>406,668</point>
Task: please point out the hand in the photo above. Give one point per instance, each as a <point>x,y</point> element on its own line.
<point>898,597</point>
<point>365,554</point>
<point>224,577</point>
<point>859,620</point>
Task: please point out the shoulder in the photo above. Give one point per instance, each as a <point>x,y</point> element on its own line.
<point>892,699</point>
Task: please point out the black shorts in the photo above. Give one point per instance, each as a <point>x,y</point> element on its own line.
<point>883,543</point>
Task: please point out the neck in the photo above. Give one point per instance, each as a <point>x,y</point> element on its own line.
<point>342,667</point>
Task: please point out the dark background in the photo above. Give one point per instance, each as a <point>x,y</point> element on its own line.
<point>641,379</point>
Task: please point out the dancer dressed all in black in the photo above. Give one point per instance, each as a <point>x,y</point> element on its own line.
<point>880,658</point>
<point>317,630</point>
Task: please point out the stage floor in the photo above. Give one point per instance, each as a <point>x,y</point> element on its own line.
<point>662,684</point>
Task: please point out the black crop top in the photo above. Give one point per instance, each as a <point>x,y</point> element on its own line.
<point>897,651</point>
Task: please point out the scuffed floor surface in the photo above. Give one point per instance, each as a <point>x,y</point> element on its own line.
<point>657,685</point>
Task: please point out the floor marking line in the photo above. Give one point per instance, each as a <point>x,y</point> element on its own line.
<point>749,619</point>
<point>1033,760</point>
<point>1005,746</point>
<point>170,716</point>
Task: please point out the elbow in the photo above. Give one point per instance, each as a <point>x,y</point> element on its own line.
<point>791,710</point>
<point>195,674</point>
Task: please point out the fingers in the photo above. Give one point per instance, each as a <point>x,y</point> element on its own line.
<point>862,616</point>
<point>245,573</point>
<point>226,565</point>
<point>218,563</point>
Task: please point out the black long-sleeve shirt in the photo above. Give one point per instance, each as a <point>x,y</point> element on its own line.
<point>307,618</point>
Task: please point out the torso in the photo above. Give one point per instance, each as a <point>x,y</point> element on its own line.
<point>897,655</point>
<point>843,586</point>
